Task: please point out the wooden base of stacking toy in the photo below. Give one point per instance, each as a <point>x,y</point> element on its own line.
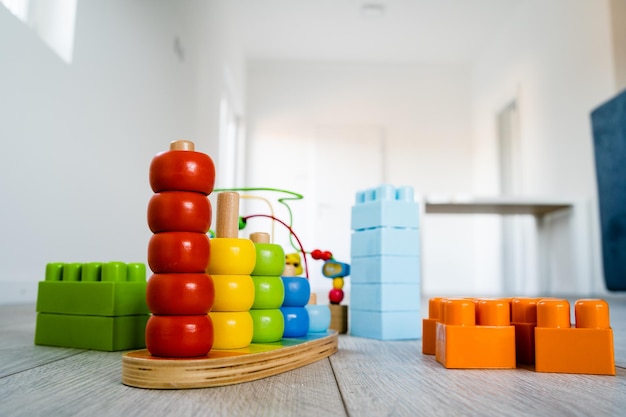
<point>228,366</point>
<point>339,318</point>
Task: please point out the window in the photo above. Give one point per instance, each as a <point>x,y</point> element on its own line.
<point>52,20</point>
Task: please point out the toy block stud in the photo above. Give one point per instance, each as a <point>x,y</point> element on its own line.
<point>475,334</point>
<point>586,348</point>
<point>429,326</point>
<point>524,319</point>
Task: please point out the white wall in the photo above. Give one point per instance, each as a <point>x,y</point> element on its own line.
<point>77,140</point>
<point>556,58</point>
<point>424,114</point>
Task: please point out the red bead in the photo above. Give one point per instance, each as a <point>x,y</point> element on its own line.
<point>178,252</point>
<point>179,336</point>
<point>335,296</point>
<point>326,255</point>
<point>180,294</point>
<point>179,211</point>
<point>182,171</point>
<point>316,254</point>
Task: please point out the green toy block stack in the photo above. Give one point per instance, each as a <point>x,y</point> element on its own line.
<point>99,306</point>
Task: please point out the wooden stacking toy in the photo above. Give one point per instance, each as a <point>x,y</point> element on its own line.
<point>180,293</point>
<point>201,328</point>
<point>297,294</point>
<point>232,262</point>
<point>269,292</point>
<point>319,315</point>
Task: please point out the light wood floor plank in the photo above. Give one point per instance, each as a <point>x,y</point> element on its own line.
<point>90,384</point>
<point>367,377</point>
<point>17,349</point>
<point>393,378</point>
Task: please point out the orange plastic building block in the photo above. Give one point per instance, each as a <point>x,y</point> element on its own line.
<point>476,334</point>
<point>524,319</point>
<point>429,326</point>
<point>586,348</point>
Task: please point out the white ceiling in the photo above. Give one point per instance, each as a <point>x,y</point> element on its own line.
<point>335,30</point>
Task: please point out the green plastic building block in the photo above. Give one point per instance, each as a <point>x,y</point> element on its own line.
<point>110,289</point>
<point>100,306</point>
<point>91,332</point>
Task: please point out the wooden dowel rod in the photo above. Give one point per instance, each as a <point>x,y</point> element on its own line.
<point>182,145</point>
<point>227,215</point>
<point>260,237</point>
<point>289,271</point>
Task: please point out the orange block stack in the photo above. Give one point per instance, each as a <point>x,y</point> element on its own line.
<point>475,334</point>
<point>586,348</point>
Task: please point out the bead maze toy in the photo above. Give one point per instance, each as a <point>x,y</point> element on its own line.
<point>505,333</point>
<point>385,267</point>
<point>337,271</point>
<point>177,358</point>
<point>99,306</point>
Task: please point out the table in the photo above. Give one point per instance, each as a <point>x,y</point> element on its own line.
<point>564,221</point>
<point>365,378</point>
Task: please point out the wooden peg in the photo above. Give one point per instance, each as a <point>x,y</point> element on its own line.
<point>227,215</point>
<point>260,237</point>
<point>289,271</point>
<point>182,145</point>
<point>313,299</point>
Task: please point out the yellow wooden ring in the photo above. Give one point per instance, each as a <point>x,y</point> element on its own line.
<point>231,330</point>
<point>230,256</point>
<point>233,292</point>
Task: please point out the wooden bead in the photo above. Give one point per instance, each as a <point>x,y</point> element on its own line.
<point>179,211</point>
<point>233,330</point>
<point>178,252</point>
<point>180,294</point>
<point>182,171</point>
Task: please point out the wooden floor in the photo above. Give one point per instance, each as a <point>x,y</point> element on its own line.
<point>365,378</point>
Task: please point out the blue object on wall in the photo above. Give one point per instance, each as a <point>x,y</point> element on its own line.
<point>609,137</point>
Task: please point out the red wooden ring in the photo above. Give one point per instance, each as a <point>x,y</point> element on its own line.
<point>178,252</point>
<point>179,211</point>
<point>179,336</point>
<point>182,171</point>
<point>180,294</point>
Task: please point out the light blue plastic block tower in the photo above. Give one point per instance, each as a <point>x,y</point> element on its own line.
<point>385,267</point>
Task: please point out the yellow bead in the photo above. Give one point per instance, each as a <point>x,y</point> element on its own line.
<point>230,256</point>
<point>233,292</point>
<point>338,283</point>
<point>231,330</point>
